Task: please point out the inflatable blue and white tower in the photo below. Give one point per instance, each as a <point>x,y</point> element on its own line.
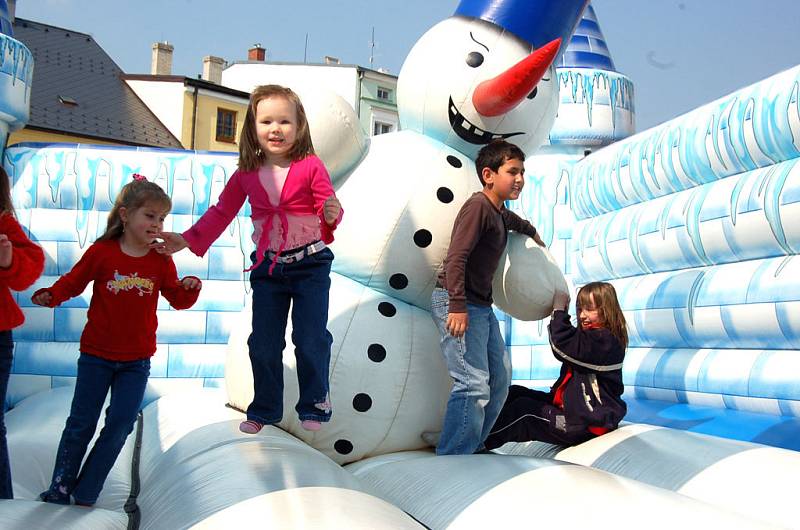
<point>596,105</point>
<point>16,76</point>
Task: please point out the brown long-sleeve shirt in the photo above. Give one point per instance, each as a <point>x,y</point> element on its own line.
<point>479,236</point>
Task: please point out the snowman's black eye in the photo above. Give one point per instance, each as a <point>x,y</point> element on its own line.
<point>475,59</point>
<point>533,94</point>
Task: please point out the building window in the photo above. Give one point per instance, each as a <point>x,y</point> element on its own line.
<point>381,128</point>
<point>384,93</point>
<point>226,125</point>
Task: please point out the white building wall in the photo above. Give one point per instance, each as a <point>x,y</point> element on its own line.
<point>383,116</point>
<point>342,80</point>
<point>165,100</point>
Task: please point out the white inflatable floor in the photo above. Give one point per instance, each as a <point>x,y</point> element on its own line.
<point>194,469</point>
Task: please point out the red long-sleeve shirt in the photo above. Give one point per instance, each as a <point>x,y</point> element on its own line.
<point>27,262</point>
<point>122,319</point>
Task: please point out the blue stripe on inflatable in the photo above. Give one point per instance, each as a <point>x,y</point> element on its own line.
<point>725,423</point>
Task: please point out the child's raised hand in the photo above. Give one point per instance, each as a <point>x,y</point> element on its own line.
<point>457,324</point>
<point>170,244</point>
<point>6,251</point>
<point>332,209</point>
<point>43,298</point>
<point>190,282</point>
<point>560,301</point>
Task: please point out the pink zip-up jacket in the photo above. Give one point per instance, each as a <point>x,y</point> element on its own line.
<point>307,187</point>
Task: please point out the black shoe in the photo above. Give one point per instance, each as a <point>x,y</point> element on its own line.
<point>54,497</point>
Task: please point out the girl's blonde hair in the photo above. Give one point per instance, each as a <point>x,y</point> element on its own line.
<point>251,156</point>
<point>608,309</point>
<point>132,196</point>
<point>6,206</point>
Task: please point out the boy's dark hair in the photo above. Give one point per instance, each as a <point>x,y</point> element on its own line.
<point>495,154</point>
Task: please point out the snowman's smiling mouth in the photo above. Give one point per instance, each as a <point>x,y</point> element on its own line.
<point>469,132</point>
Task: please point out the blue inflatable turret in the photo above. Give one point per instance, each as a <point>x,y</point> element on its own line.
<point>596,106</point>
<point>16,76</point>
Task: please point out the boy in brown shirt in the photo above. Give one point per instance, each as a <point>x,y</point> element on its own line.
<point>461,303</point>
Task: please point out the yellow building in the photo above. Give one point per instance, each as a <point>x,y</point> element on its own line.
<point>203,115</point>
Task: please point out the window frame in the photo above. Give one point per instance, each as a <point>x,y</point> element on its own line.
<point>220,135</point>
<point>387,91</point>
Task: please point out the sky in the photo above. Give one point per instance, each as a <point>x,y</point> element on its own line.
<point>679,54</point>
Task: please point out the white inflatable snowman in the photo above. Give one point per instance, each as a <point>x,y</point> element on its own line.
<point>484,73</point>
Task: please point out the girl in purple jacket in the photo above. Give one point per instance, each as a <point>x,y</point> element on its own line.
<point>586,399</point>
<point>294,213</point>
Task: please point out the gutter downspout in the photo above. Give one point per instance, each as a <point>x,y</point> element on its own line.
<point>358,92</point>
<point>194,115</point>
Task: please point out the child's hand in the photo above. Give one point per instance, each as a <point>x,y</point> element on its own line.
<point>190,282</point>
<point>332,209</point>
<point>43,298</point>
<point>538,240</point>
<point>457,324</point>
<point>560,301</point>
<point>171,243</point>
<point>6,251</point>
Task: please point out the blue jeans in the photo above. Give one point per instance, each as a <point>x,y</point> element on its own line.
<point>305,285</point>
<point>481,372</point>
<point>6,356</point>
<point>127,381</point>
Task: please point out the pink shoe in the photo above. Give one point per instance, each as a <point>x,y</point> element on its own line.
<point>311,425</point>
<point>250,427</point>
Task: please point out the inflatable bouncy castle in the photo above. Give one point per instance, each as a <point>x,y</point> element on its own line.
<point>693,221</point>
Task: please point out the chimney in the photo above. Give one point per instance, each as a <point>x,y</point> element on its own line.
<point>257,53</point>
<point>331,60</point>
<point>161,63</point>
<point>212,68</point>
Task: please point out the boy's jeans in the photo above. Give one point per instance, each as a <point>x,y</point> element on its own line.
<point>6,356</point>
<point>306,285</point>
<point>127,381</point>
<point>481,372</point>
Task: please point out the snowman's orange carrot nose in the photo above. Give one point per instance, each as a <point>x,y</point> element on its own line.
<point>499,95</point>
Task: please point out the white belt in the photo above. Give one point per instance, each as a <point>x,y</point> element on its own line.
<point>293,257</point>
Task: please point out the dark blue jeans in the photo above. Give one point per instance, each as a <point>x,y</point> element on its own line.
<point>127,381</point>
<point>6,356</point>
<point>305,284</point>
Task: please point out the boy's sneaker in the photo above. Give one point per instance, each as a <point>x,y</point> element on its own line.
<point>250,426</point>
<point>54,497</point>
<point>311,425</point>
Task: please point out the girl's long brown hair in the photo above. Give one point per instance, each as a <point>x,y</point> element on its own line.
<point>251,156</point>
<point>133,195</point>
<point>6,206</point>
<point>608,309</point>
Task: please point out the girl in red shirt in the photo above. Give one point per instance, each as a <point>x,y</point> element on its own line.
<point>21,262</point>
<point>294,212</point>
<point>119,337</point>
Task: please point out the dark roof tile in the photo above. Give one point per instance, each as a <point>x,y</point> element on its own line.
<point>71,64</point>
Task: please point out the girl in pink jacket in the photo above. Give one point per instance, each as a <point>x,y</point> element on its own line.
<point>294,213</point>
